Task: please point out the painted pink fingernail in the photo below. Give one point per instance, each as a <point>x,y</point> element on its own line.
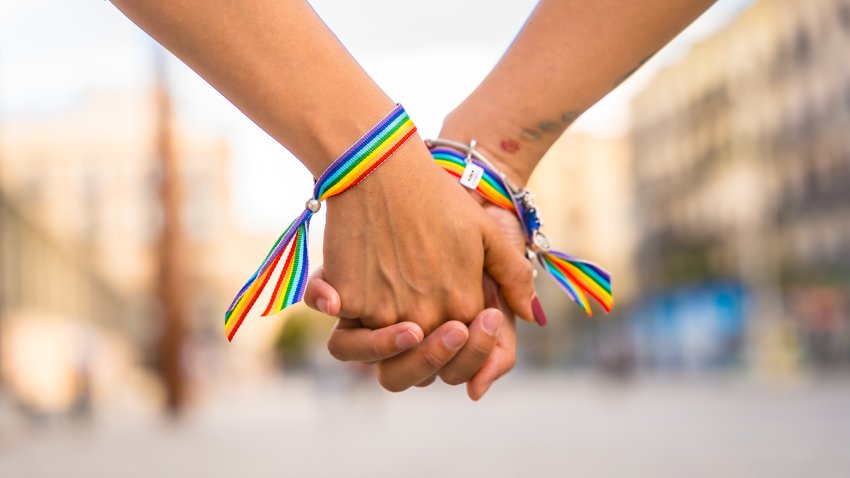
<point>406,340</point>
<point>537,309</point>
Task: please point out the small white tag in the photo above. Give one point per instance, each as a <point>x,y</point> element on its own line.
<point>471,175</point>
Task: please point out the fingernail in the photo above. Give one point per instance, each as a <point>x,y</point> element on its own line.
<point>491,322</point>
<point>454,339</point>
<point>322,304</point>
<point>406,340</point>
<point>537,309</point>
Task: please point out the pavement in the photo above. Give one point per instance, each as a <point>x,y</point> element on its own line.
<point>528,426</point>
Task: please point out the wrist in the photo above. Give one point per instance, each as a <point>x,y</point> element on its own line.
<point>405,171</point>
<point>505,153</point>
<point>328,136</point>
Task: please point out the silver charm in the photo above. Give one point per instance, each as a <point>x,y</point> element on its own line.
<point>313,205</point>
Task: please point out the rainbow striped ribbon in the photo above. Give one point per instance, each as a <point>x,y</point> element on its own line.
<point>579,278</point>
<point>344,173</point>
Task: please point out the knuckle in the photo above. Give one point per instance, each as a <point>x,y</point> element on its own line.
<point>517,272</point>
<point>424,315</point>
<point>353,302</point>
<point>429,322</point>
<point>349,309</point>
<point>431,360</point>
<point>526,272</point>
<point>452,377</point>
<point>375,350</point>
<point>414,311</point>
<point>379,319</point>
<point>481,349</point>
<point>334,348</point>
<point>464,308</point>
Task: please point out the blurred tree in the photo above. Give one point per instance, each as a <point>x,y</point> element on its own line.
<point>292,343</point>
<point>303,330</point>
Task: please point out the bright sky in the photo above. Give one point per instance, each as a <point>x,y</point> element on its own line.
<point>53,53</point>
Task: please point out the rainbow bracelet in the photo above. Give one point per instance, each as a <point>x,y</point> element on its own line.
<point>343,174</point>
<point>579,278</point>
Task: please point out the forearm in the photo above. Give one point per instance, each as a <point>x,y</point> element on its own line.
<point>277,62</point>
<point>569,54</point>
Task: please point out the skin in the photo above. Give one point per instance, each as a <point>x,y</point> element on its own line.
<point>569,54</point>
<point>406,358</point>
<point>280,65</point>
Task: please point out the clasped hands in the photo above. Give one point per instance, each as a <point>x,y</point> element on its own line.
<point>424,277</point>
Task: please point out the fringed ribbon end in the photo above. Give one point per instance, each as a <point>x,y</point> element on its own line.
<point>293,276</point>
<point>355,164</point>
<point>289,287</point>
<point>579,278</point>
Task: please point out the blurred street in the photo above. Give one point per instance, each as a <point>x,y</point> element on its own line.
<point>532,426</point>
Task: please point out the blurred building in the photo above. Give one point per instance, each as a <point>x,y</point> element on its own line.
<point>742,170</point>
<point>89,176</point>
<point>584,189</point>
<point>80,232</point>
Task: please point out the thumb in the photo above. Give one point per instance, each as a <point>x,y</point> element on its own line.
<point>321,296</point>
<point>511,270</point>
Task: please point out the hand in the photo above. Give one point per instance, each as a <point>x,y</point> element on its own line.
<point>408,244</point>
<point>485,356</point>
<point>478,355</point>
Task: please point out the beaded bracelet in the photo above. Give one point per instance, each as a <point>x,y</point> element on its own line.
<point>577,277</point>
<point>363,157</point>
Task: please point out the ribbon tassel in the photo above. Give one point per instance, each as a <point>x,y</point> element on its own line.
<point>293,276</point>
<point>351,167</point>
<point>579,278</point>
<point>290,284</point>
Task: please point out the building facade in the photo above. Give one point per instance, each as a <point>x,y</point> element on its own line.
<point>742,166</point>
<point>80,228</point>
<point>583,188</point>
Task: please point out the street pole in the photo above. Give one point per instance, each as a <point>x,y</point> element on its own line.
<point>3,260</point>
<point>170,286</point>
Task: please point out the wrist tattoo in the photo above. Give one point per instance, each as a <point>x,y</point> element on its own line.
<point>509,145</point>
<point>531,134</point>
<point>568,117</point>
<point>633,70</point>
<point>548,126</point>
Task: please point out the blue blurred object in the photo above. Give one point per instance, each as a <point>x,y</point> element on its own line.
<point>699,327</point>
